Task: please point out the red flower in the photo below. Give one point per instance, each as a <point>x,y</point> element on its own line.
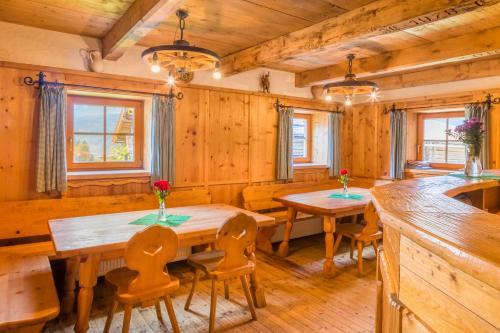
<point>343,172</point>
<point>161,185</point>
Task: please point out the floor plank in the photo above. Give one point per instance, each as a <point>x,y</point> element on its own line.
<point>299,298</point>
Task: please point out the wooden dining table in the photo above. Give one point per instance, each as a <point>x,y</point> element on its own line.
<point>319,203</point>
<point>85,241</point>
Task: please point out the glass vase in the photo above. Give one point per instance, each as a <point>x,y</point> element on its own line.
<point>162,214</point>
<point>473,166</point>
<point>345,187</point>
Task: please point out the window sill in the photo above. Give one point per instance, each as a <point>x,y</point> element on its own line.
<point>430,171</point>
<point>309,166</point>
<point>92,175</point>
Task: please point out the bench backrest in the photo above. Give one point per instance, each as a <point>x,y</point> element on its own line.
<point>29,218</point>
<point>259,198</point>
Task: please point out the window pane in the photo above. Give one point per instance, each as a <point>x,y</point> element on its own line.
<point>299,132</point>
<point>88,148</point>
<point>88,118</point>
<point>434,129</point>
<point>119,119</point>
<point>119,148</point>
<point>456,150</point>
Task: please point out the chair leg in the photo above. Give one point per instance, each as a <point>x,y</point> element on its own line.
<point>360,257</point>
<point>213,306</point>
<point>109,320</point>
<point>337,244</point>
<point>126,318</point>
<point>158,310</point>
<point>375,245</point>
<point>351,249</point>
<point>171,313</point>
<point>244,284</point>
<point>191,293</point>
<point>226,290</point>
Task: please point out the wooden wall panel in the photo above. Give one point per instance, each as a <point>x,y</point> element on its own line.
<point>227,140</point>
<point>263,137</point>
<point>191,115</point>
<point>364,141</point>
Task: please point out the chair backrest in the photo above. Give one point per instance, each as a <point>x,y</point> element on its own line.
<point>371,218</point>
<point>234,237</point>
<point>148,252</point>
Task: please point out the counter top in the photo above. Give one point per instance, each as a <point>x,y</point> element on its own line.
<point>423,210</point>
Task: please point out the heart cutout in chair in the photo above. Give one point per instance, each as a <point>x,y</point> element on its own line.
<point>241,235</point>
<point>153,249</point>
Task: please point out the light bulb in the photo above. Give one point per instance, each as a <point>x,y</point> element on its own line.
<point>155,68</point>
<point>328,98</point>
<point>217,75</point>
<point>374,95</point>
<point>348,101</point>
<point>171,79</point>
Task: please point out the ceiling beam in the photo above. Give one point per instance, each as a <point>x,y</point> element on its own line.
<point>471,46</point>
<point>141,17</point>
<point>377,18</point>
<point>447,73</point>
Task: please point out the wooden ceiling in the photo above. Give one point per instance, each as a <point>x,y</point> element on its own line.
<point>310,38</point>
<point>224,26</point>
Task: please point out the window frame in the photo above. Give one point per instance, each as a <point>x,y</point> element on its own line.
<point>420,137</point>
<point>107,101</point>
<point>308,157</point>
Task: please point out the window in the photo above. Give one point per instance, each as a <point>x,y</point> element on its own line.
<point>434,145</point>
<point>302,138</point>
<point>104,133</point>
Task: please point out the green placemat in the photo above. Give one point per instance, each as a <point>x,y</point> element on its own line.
<point>172,220</point>
<point>349,196</point>
<point>485,175</point>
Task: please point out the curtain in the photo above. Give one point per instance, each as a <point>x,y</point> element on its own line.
<point>334,147</point>
<point>284,163</point>
<point>398,144</point>
<point>163,139</point>
<point>481,111</point>
<point>51,158</point>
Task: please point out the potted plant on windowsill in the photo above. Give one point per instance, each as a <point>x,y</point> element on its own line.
<point>471,134</point>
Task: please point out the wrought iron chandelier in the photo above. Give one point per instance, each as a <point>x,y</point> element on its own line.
<point>180,57</point>
<point>350,86</point>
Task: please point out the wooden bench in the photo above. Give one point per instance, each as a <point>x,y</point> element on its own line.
<point>29,297</point>
<point>259,198</point>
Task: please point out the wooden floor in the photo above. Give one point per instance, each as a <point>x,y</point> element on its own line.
<point>299,298</point>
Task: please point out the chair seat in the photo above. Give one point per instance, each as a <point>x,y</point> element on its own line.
<point>207,262</point>
<point>121,278</point>
<point>354,230</point>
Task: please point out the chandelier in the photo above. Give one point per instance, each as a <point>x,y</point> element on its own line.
<point>350,86</point>
<point>181,58</point>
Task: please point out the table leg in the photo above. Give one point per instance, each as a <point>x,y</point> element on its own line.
<point>283,249</point>
<point>68,300</point>
<point>259,298</point>
<point>329,229</point>
<point>88,279</point>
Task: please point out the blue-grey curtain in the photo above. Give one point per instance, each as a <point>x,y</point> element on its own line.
<point>481,111</point>
<point>163,139</point>
<point>398,144</point>
<point>334,145</point>
<point>51,158</point>
<point>284,162</point>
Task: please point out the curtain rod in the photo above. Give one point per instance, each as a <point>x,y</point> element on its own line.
<point>29,81</point>
<point>277,105</point>
<point>489,100</point>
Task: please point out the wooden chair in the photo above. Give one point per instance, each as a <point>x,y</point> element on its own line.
<point>227,262</point>
<point>360,234</point>
<point>145,280</point>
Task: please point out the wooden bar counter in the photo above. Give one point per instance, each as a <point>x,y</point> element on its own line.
<point>439,268</point>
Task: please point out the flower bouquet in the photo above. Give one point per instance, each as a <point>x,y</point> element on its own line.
<point>344,179</point>
<point>471,134</point>
<point>161,189</point>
